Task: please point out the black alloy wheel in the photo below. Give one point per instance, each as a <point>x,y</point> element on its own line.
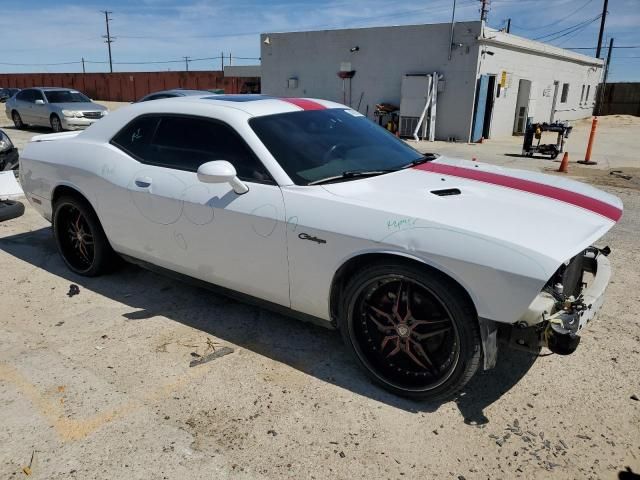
<point>413,332</point>
<point>80,239</point>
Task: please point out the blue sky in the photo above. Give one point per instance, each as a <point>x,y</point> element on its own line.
<point>64,31</point>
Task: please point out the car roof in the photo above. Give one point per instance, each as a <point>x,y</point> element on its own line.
<point>52,88</point>
<point>259,105</point>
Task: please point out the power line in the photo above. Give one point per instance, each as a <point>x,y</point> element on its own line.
<point>152,62</point>
<point>593,48</point>
<point>556,22</point>
<point>570,29</point>
<point>309,27</point>
<point>39,64</point>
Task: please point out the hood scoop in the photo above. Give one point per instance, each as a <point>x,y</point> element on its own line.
<point>446,192</point>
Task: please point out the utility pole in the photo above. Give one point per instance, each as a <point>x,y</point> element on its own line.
<point>109,40</point>
<point>603,85</point>
<point>453,22</point>
<point>484,10</point>
<point>83,70</point>
<point>608,64</point>
<point>603,19</point>
<point>508,25</point>
<point>230,61</point>
<point>222,61</point>
<point>186,63</point>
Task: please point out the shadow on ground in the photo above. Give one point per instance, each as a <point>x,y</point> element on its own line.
<point>30,128</point>
<point>539,157</point>
<point>311,349</point>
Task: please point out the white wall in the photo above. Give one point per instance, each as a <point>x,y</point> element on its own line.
<point>542,68</point>
<point>385,55</point>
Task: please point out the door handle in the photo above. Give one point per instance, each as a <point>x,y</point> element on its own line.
<point>143,182</point>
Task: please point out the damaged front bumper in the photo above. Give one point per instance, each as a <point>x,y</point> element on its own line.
<point>568,303</point>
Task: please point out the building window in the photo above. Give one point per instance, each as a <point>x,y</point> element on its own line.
<point>565,93</point>
<point>582,94</point>
<point>586,99</point>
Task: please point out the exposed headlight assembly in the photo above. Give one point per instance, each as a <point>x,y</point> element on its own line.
<point>72,114</point>
<point>5,142</point>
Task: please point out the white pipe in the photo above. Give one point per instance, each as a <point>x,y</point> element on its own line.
<point>434,104</point>
<point>424,112</point>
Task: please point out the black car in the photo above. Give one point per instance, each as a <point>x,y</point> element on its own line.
<point>6,93</point>
<point>8,153</point>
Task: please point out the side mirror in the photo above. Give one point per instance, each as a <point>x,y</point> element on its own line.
<point>221,171</point>
<point>39,101</point>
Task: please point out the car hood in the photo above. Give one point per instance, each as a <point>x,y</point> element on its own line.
<point>528,211</point>
<point>83,106</point>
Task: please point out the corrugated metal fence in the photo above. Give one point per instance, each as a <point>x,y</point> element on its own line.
<point>128,87</point>
<point>619,99</point>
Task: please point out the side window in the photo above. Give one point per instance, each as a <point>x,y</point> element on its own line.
<point>565,93</point>
<point>25,96</point>
<point>587,97</point>
<point>185,143</point>
<point>37,95</point>
<point>135,138</point>
<point>157,97</point>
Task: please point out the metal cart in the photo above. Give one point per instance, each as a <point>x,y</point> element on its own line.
<point>534,131</point>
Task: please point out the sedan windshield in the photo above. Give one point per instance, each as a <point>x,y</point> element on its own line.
<point>65,96</point>
<point>314,146</point>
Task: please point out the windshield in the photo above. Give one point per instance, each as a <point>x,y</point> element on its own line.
<point>65,96</point>
<point>313,145</point>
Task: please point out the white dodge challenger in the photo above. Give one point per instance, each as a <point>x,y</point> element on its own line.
<point>424,263</point>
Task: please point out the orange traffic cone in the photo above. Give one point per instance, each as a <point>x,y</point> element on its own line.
<point>564,165</point>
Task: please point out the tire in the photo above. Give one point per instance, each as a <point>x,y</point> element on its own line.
<point>56,124</point>
<point>17,120</point>
<point>430,356</point>
<point>10,209</point>
<point>80,239</point>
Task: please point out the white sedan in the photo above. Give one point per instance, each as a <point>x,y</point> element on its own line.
<point>424,263</point>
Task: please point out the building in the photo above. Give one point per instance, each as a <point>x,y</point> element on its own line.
<point>491,83</point>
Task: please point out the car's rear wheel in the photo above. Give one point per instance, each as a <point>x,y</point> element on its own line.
<point>17,120</point>
<point>80,238</point>
<point>56,124</point>
<point>414,331</point>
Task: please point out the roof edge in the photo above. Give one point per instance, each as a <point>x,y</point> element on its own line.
<point>508,40</point>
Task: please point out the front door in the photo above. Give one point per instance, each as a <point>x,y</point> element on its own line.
<point>162,213</point>
<point>482,91</point>
<point>522,107</point>
<point>40,111</point>
<point>556,86</point>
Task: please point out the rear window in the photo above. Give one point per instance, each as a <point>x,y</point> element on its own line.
<point>66,96</point>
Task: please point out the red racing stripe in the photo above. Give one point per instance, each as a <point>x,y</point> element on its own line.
<point>305,104</point>
<point>567,196</point>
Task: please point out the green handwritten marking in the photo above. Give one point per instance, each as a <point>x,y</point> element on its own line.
<point>400,223</point>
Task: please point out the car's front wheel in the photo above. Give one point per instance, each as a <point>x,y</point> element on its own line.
<point>17,120</point>
<point>56,124</point>
<point>80,238</point>
<point>414,331</point>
